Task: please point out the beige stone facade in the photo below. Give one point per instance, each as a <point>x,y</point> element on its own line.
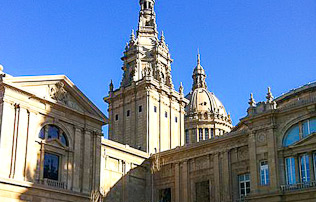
<point>260,153</point>
<point>146,112</point>
<point>51,145</point>
<point>50,140</point>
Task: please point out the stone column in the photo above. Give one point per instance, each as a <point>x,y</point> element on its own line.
<point>86,163</point>
<point>98,160</point>
<point>184,182</point>
<point>272,160</point>
<point>14,140</point>
<point>226,177</point>
<point>177,182</point>
<point>297,169</point>
<point>311,166</point>
<point>217,178</point>
<point>253,163</point>
<point>21,144</point>
<point>76,163</point>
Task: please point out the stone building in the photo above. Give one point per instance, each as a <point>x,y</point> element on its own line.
<point>269,156</point>
<point>159,150</point>
<point>146,112</point>
<point>206,117</point>
<point>50,140</point>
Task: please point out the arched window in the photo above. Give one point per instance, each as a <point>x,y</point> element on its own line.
<point>53,159</point>
<point>293,135</point>
<point>50,132</point>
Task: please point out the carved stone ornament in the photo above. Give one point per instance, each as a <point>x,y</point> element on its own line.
<point>261,137</point>
<point>58,92</point>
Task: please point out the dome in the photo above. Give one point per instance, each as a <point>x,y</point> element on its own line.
<point>201,100</point>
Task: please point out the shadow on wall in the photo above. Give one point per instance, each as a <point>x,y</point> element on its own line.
<point>134,186</point>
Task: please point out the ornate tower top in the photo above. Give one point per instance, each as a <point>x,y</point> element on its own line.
<point>146,55</point>
<point>199,75</point>
<point>147,18</point>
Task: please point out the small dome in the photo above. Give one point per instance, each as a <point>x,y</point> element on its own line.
<point>201,100</point>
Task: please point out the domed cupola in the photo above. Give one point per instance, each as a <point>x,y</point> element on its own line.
<point>206,116</point>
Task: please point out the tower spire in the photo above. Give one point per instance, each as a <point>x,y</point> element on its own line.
<point>198,57</point>
<point>199,75</point>
<point>147,18</point>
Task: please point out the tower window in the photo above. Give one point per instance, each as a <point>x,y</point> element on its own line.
<point>155,109</point>
<point>200,134</point>
<point>140,108</point>
<point>128,112</point>
<point>187,136</point>
<point>176,119</point>
<point>212,132</point>
<point>166,114</point>
<point>116,117</point>
<point>207,136</point>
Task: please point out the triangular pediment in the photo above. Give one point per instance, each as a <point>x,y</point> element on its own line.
<point>58,90</point>
<point>55,143</point>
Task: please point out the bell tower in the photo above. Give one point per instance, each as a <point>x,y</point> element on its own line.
<point>146,112</point>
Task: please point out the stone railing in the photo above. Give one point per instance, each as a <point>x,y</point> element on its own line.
<point>298,186</point>
<point>52,183</point>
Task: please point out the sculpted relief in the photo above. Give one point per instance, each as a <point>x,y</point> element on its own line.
<point>58,92</point>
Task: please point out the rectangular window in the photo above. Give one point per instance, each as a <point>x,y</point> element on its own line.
<point>187,137</point>
<point>140,108</point>
<point>305,174</point>
<point>128,112</point>
<point>264,173</point>
<point>212,133</point>
<point>176,119</point>
<point>116,117</point>
<point>290,170</point>
<point>244,185</point>
<point>51,166</point>
<point>200,134</point>
<point>165,195</point>
<point>207,136</point>
<point>155,109</point>
<point>166,114</point>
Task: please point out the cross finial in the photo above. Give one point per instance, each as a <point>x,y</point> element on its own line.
<point>198,57</point>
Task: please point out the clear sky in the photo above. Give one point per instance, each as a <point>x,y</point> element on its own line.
<point>246,45</point>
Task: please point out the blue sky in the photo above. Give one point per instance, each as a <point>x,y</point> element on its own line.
<point>246,45</point>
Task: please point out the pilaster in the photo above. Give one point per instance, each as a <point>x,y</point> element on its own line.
<point>253,163</point>
<point>86,163</point>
